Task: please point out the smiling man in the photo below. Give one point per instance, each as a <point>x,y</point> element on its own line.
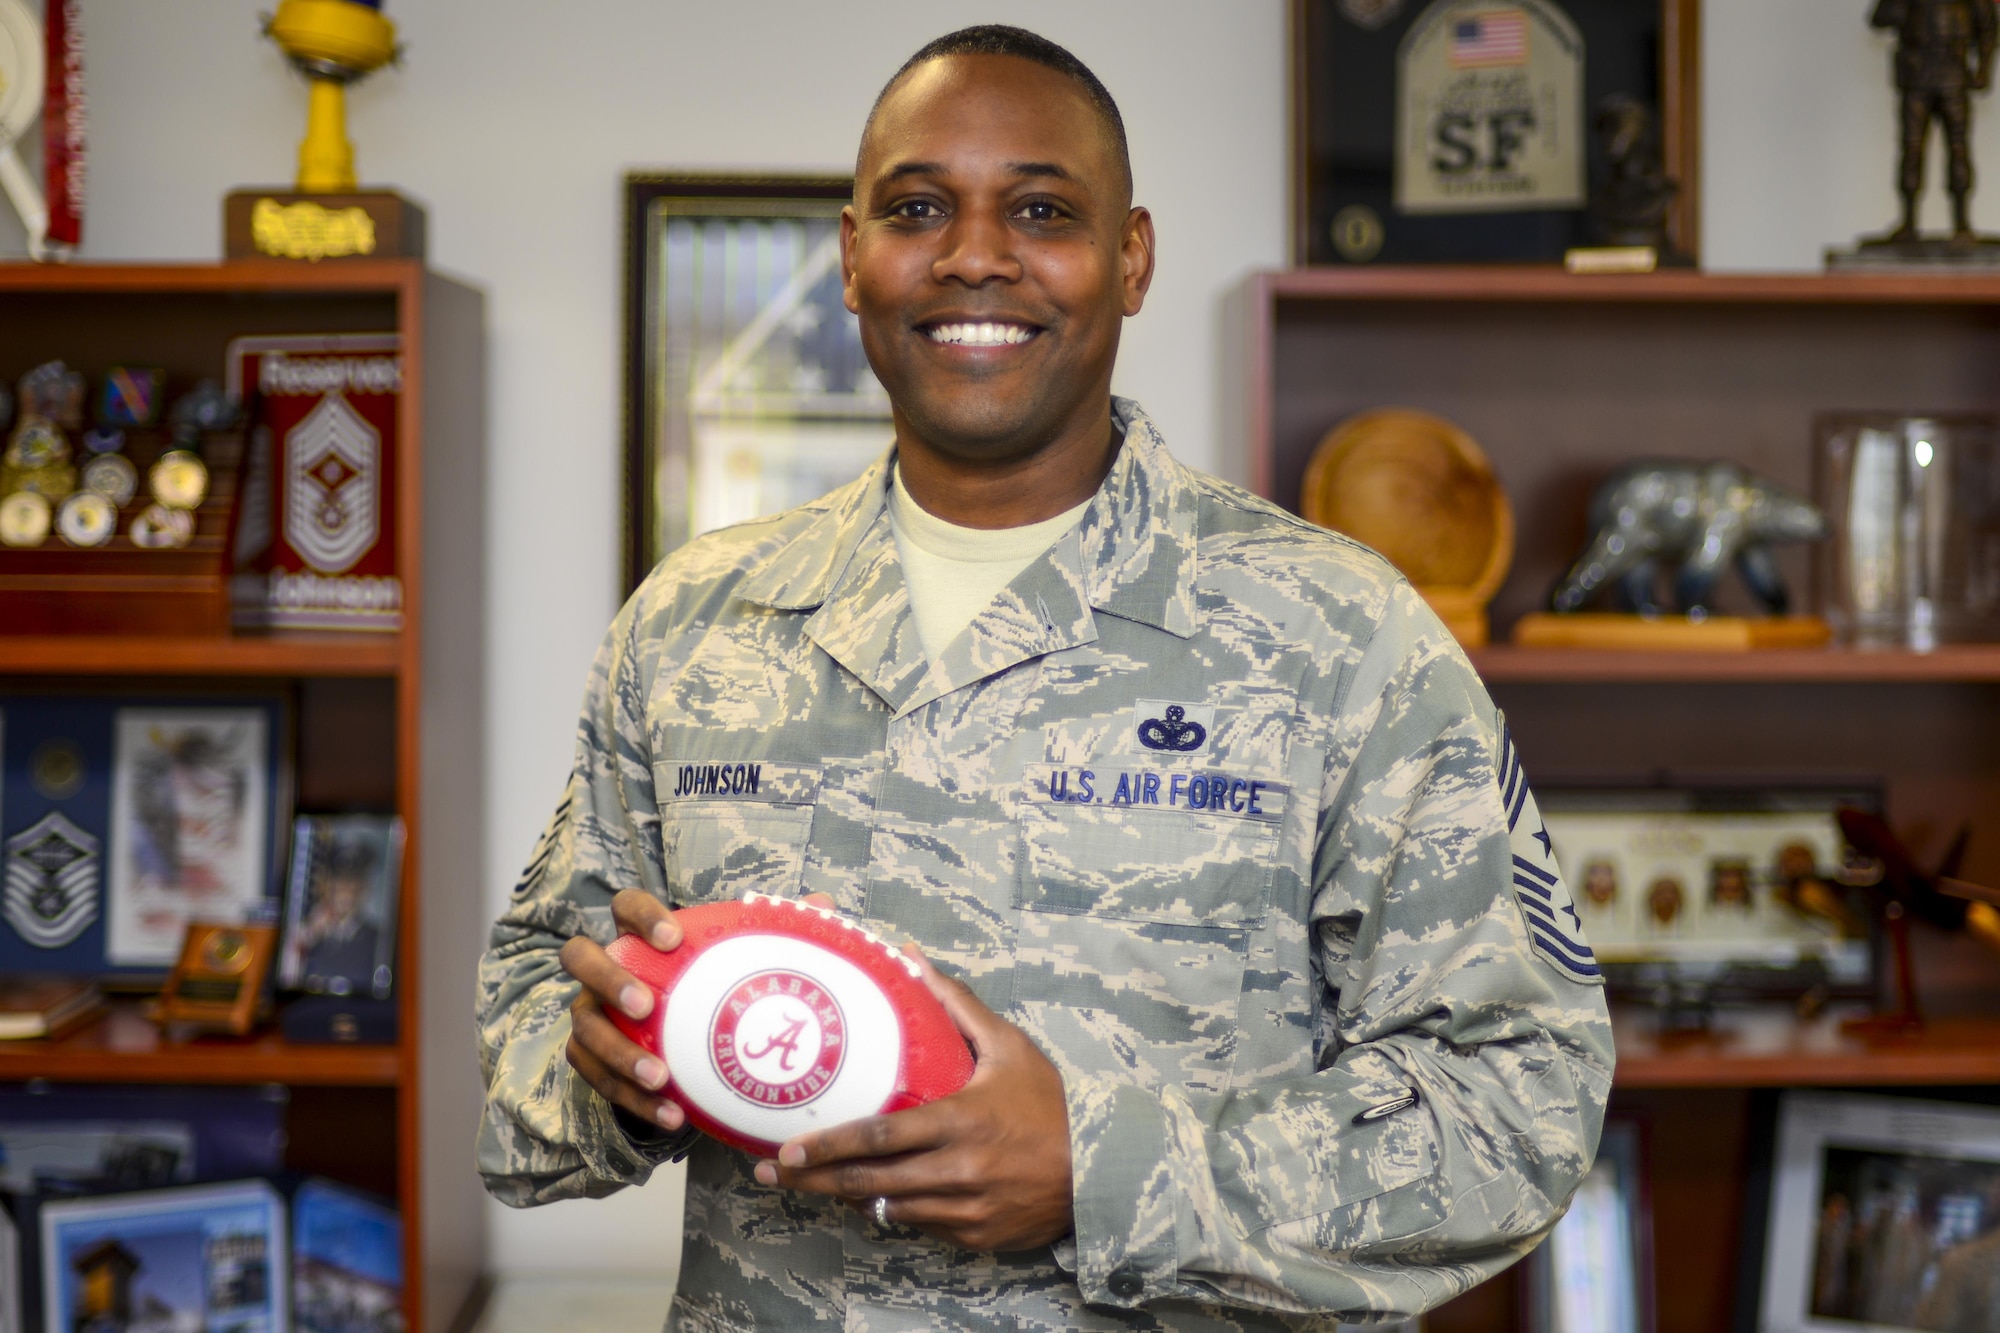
<point>1226,864</point>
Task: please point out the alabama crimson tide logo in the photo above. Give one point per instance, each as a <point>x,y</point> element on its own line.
<point>778,1039</point>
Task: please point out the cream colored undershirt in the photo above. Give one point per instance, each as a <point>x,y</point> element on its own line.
<point>954,573</point>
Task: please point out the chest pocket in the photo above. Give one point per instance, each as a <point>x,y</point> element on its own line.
<point>731,829</point>
<point>1134,925</point>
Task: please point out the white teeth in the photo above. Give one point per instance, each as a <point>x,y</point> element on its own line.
<point>981,335</point>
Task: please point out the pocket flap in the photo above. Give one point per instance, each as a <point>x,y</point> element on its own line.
<point>1143,865</point>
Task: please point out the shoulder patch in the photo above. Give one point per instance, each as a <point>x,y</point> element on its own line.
<point>1555,931</point>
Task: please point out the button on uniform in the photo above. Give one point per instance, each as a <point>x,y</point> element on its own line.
<point>1125,1284</point>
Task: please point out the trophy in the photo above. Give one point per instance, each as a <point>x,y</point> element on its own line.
<point>328,216</point>
<point>1944,55</point>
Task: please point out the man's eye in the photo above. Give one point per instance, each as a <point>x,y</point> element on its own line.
<point>916,210</point>
<point>1041,210</point>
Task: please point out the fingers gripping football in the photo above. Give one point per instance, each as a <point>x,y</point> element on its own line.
<point>621,1071</point>
<point>986,1168</point>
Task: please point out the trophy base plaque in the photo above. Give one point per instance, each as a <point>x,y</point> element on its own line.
<point>1669,634</point>
<point>1924,254</point>
<point>285,224</point>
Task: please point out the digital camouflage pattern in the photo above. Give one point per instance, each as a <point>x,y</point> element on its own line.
<point>1208,802</point>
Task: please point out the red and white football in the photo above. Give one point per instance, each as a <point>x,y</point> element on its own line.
<point>776,1017</point>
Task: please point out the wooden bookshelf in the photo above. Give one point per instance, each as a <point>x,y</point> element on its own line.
<point>123,1046</point>
<point>1561,378</point>
<point>385,722</point>
<point>202,655</point>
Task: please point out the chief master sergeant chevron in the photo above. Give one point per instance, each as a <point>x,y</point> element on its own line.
<point>1225,860</point>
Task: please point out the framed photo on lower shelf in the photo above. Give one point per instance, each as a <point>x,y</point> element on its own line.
<point>341,903</point>
<point>1594,1273</point>
<point>1883,1214</point>
<point>205,1257</point>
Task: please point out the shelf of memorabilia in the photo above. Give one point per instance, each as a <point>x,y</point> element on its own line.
<point>297,653</point>
<point>1969,663</point>
<point>1772,1048</point>
<point>124,1046</point>
<point>382,717</point>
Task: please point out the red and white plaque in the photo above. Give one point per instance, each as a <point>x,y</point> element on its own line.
<point>315,540</point>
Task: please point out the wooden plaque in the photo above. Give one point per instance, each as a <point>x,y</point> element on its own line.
<point>219,981</point>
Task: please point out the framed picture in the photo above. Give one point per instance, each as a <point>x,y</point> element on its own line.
<point>98,1139</point>
<point>747,391</point>
<point>347,1261</point>
<point>340,905</point>
<point>204,1257</point>
<point>122,817</point>
<point>1746,891</point>
<point>1468,131</point>
<point>1594,1274</point>
<point>1884,1213</point>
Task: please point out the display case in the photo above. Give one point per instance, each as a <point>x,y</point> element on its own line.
<point>383,721</point>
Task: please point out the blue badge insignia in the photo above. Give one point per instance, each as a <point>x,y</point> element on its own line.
<point>52,878</point>
<point>1554,929</point>
<point>1173,728</point>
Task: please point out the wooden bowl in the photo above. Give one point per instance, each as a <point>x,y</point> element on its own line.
<point>1418,490</point>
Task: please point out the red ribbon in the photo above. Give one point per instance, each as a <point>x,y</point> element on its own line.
<point>65,113</point>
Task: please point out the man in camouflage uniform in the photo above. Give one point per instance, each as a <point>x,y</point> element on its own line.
<point>1280,1005</point>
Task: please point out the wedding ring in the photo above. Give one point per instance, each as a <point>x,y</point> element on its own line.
<point>881,1211</point>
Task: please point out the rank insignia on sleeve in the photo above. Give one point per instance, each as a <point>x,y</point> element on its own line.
<point>1554,929</point>
<point>52,881</point>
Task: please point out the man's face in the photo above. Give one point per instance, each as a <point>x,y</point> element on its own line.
<point>992,253</point>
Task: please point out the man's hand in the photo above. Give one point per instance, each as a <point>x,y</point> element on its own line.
<point>986,1168</point>
<point>624,1073</point>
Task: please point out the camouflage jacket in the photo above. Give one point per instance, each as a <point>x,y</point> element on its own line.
<point>1208,802</point>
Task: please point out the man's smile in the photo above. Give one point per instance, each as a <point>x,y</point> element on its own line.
<point>986,333</point>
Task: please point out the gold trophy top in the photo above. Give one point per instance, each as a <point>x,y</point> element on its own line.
<point>333,39</point>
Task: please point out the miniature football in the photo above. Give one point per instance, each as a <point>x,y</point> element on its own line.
<point>776,1017</point>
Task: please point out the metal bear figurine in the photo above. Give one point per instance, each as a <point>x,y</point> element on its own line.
<point>1697,516</point>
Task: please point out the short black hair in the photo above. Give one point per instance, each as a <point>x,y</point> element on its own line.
<point>1001,39</point>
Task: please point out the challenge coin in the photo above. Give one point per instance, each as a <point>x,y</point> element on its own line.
<point>113,477</point>
<point>87,519</point>
<point>179,480</point>
<point>24,519</point>
<point>158,528</point>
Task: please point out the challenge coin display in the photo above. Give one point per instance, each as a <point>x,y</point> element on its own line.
<point>776,1017</point>
<point>113,477</point>
<point>24,519</point>
<point>158,528</point>
<point>87,519</point>
<point>179,480</point>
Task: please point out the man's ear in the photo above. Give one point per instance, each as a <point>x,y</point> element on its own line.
<point>849,230</point>
<point>1135,252</point>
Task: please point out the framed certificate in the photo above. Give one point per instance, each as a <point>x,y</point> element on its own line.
<point>747,391</point>
<point>1474,131</point>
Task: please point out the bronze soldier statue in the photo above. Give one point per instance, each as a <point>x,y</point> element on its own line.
<point>1944,53</point>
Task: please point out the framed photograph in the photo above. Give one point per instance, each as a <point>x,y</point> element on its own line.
<point>1594,1274</point>
<point>1475,131</point>
<point>1884,1213</point>
<point>747,391</point>
<point>340,905</point>
<point>1729,889</point>
<point>205,1257</point>
<point>347,1261</point>
<point>124,816</point>
<point>89,1138</point>
<point>192,796</point>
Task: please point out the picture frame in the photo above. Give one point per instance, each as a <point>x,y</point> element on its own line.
<point>84,841</point>
<point>1881,1213</point>
<point>1717,891</point>
<point>1344,76</point>
<point>342,898</point>
<point>212,1255</point>
<point>347,1260</point>
<point>746,389</point>
<point>1594,1273</point>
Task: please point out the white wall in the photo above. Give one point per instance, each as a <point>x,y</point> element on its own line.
<point>513,120</point>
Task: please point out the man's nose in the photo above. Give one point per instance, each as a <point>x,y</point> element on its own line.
<point>979,248</point>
